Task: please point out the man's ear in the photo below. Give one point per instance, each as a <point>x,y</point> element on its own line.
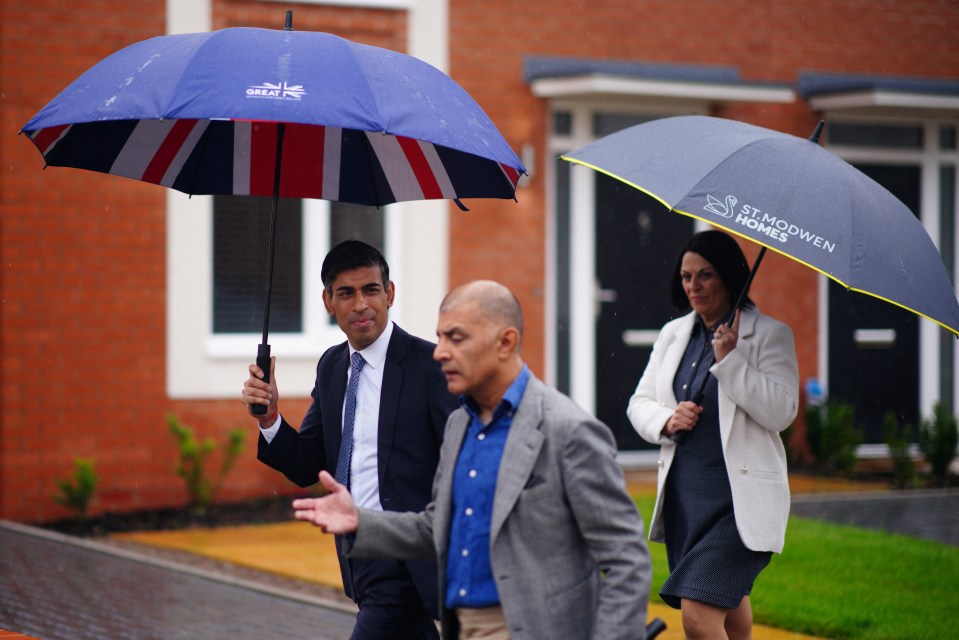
<point>390,294</point>
<point>328,301</point>
<point>508,342</point>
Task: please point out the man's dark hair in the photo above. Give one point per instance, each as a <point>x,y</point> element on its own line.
<point>724,253</point>
<point>350,255</point>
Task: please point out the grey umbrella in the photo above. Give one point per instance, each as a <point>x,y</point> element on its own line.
<point>789,195</point>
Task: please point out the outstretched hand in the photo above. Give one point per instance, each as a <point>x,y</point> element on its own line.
<point>333,513</point>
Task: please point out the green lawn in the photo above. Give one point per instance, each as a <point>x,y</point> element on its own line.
<point>840,582</point>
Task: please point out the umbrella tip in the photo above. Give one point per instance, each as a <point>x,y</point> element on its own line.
<point>289,20</point>
<point>815,134</point>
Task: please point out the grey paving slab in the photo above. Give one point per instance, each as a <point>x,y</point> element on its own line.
<point>59,588</point>
<point>932,515</point>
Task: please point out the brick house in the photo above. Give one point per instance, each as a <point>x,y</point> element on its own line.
<point>106,320</point>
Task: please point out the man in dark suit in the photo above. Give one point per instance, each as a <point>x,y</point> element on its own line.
<point>379,409</point>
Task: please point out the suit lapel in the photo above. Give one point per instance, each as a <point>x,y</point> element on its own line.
<point>519,455</point>
<point>675,349</point>
<point>333,393</point>
<point>456,428</point>
<point>390,398</point>
<point>727,408</point>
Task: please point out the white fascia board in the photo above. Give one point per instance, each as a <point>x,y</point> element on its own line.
<point>358,4</point>
<point>598,84</point>
<point>861,99</point>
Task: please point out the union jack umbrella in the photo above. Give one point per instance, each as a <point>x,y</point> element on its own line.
<point>247,111</point>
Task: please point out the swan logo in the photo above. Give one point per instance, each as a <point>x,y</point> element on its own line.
<point>278,91</point>
<point>720,208</point>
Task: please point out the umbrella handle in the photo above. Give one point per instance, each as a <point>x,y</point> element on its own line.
<point>654,628</point>
<point>263,362</point>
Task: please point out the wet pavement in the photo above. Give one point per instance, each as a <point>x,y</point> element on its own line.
<point>931,515</point>
<point>56,587</point>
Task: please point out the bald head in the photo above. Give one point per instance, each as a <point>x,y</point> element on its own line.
<point>478,333</point>
<point>496,304</point>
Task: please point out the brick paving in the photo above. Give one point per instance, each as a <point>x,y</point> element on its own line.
<point>58,588</point>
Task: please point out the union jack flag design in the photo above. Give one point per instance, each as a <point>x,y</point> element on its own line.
<point>329,163</point>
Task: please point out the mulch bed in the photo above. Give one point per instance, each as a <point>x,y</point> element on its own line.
<point>258,511</point>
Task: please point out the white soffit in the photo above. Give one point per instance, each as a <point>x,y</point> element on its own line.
<point>879,98</point>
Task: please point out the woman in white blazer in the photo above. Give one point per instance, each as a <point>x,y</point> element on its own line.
<point>716,395</point>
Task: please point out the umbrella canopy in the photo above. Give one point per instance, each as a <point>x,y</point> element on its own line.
<point>789,195</point>
<point>246,111</point>
<point>200,113</point>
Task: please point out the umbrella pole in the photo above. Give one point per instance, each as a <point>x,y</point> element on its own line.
<point>263,350</point>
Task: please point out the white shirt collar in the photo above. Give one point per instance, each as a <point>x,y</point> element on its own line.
<point>375,354</point>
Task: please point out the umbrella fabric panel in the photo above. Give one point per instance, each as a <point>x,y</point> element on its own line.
<point>279,76</point>
<point>671,154</point>
<point>788,194</point>
<point>852,230</point>
<point>224,157</point>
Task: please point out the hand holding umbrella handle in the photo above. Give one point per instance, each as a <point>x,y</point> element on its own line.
<point>263,362</point>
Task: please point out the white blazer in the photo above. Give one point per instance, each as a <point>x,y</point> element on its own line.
<point>758,398</point>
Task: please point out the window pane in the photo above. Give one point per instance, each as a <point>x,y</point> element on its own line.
<point>356,222</point>
<point>947,138</point>
<point>868,135</point>
<point>562,123</point>
<point>607,123</point>
<point>241,234</point>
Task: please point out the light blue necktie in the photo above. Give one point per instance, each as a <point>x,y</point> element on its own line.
<point>349,415</point>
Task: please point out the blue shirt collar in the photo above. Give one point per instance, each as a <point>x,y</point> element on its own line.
<point>510,401</point>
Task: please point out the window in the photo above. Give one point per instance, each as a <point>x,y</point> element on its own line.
<point>241,233</point>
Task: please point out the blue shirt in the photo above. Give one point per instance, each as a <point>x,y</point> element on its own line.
<point>469,573</point>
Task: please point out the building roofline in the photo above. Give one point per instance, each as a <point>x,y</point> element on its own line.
<point>555,77</point>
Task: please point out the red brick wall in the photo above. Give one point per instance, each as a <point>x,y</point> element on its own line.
<point>83,279</point>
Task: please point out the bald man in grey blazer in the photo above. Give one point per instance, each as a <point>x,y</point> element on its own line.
<point>530,521</point>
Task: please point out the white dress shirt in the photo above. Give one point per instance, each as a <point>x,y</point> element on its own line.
<point>364,470</point>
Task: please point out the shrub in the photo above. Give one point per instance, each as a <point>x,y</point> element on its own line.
<point>793,457</point>
<point>937,442</point>
<point>191,464</point>
<point>898,438</point>
<point>832,435</point>
<point>77,494</point>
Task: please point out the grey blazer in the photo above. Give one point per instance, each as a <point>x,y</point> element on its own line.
<point>561,517</point>
<point>758,398</point>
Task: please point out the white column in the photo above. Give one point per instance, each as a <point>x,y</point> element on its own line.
<point>417,233</point>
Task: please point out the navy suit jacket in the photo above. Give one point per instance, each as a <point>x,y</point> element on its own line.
<point>414,406</point>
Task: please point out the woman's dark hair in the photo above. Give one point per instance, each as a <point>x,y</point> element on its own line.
<point>724,253</point>
<point>350,255</point>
